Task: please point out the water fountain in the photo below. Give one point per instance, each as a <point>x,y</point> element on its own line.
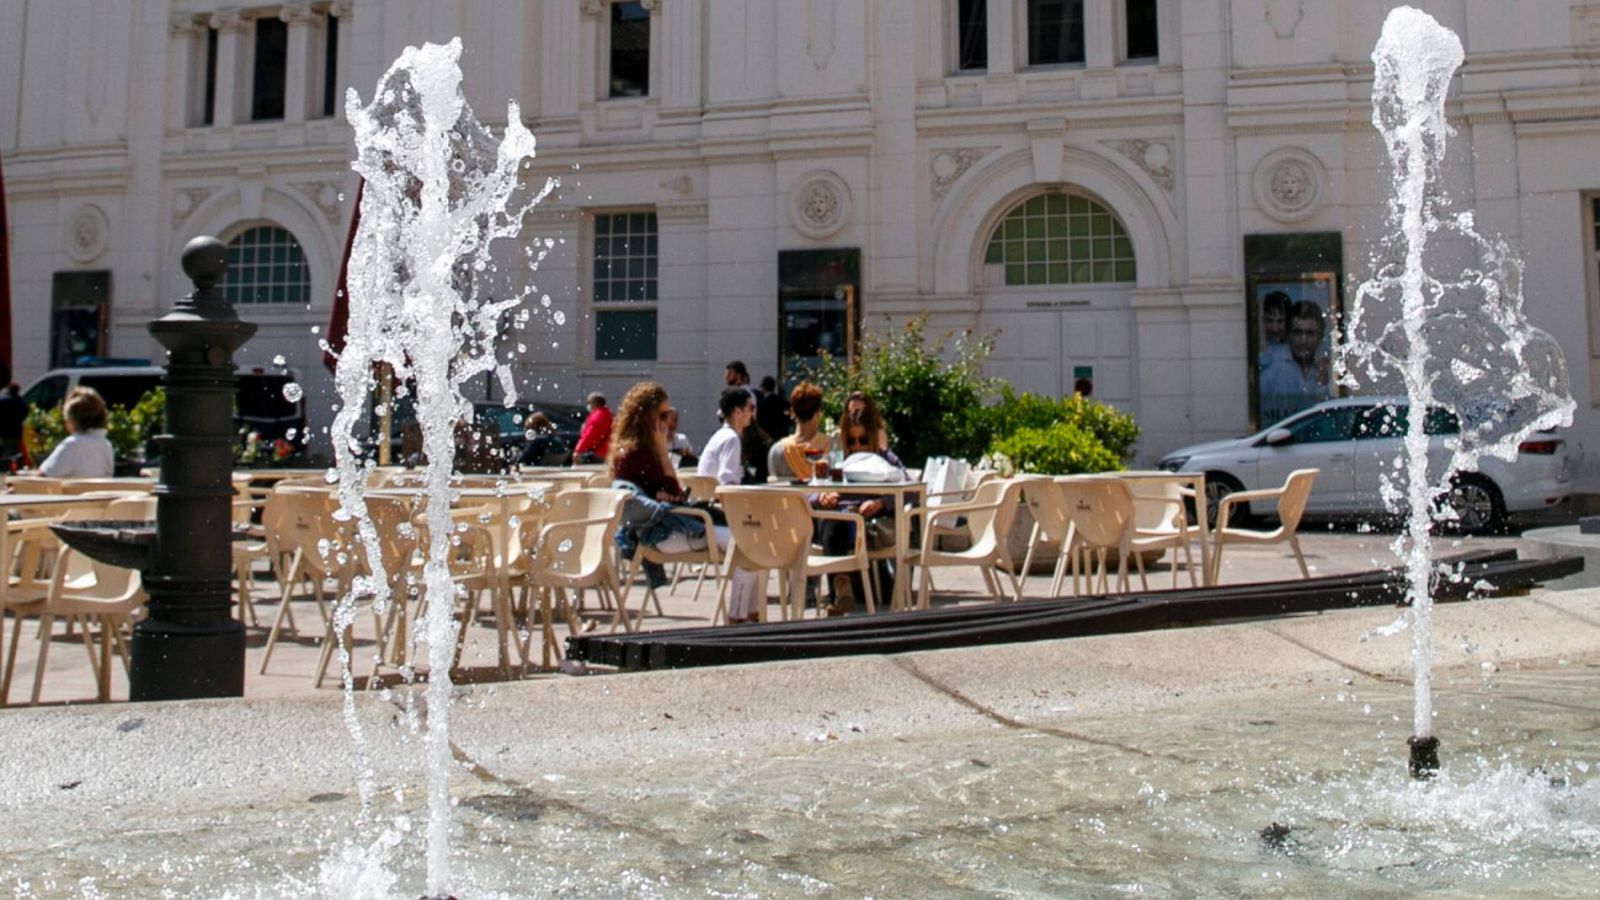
<point>1460,345</point>
<point>439,191</point>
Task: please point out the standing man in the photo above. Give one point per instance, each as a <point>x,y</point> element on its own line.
<point>13,412</point>
<point>754,442</point>
<point>594,439</point>
<point>736,375</point>
<point>772,410</point>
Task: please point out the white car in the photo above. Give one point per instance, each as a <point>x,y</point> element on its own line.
<point>1355,441</point>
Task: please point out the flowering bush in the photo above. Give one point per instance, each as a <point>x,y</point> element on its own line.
<point>1062,448</point>
<point>1107,426</point>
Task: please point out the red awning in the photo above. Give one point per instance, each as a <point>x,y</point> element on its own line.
<point>339,318</point>
<point>5,285</point>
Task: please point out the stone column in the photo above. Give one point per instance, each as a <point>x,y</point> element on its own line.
<point>232,31</point>
<point>297,67</point>
<point>561,58</point>
<point>186,45</point>
<point>1002,37</point>
<point>340,9</point>
<point>1099,49</point>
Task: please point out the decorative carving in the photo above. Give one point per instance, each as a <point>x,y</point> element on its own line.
<point>819,32</point>
<point>87,232</point>
<point>185,26</point>
<point>230,20</point>
<point>947,166</point>
<point>819,203</point>
<point>325,196</point>
<point>1288,184</point>
<point>683,184</point>
<point>592,8</point>
<point>185,202</point>
<point>339,9</point>
<point>1154,157</point>
<point>297,14</point>
<point>1284,16</point>
<point>1585,22</point>
<point>650,5</point>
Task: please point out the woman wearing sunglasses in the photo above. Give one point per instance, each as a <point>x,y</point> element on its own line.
<point>860,432</point>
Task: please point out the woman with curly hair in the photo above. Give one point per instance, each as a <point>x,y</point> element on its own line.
<point>639,443</point>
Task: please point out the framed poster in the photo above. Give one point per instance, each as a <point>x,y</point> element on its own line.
<point>1292,318</point>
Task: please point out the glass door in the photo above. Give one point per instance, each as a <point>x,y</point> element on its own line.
<point>817,310</point>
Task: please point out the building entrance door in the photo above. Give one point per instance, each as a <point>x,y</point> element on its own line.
<point>817,309</point>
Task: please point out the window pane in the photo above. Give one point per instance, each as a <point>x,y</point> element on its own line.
<point>271,62</point>
<point>1055,32</point>
<point>624,334</point>
<point>630,50</point>
<point>972,34</point>
<point>1141,19</point>
<point>330,64</point>
<point>266,265</point>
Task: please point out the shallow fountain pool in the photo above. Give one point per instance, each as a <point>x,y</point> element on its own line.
<point>878,780</point>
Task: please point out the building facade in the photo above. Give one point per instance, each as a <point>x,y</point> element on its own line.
<point>1113,188</point>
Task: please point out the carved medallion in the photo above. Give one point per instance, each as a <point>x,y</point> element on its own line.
<point>819,204</point>
<point>1153,157</point>
<point>325,196</point>
<point>88,230</point>
<point>947,167</point>
<point>1288,184</point>
<point>1284,16</point>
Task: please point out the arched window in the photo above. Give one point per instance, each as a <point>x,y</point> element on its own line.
<point>266,265</point>
<point>1061,239</point>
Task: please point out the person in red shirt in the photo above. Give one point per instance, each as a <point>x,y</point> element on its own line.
<point>594,440</point>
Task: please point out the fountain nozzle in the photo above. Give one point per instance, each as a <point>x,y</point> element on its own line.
<point>1424,757</point>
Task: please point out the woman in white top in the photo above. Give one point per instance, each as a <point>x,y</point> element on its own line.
<point>721,460</point>
<point>86,453</point>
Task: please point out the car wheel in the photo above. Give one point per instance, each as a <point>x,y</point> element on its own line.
<point>1219,485</point>
<point>1477,503</point>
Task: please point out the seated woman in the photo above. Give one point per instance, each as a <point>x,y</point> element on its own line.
<point>86,453</point>
<point>722,460</point>
<point>861,432</point>
<point>638,462</point>
<point>795,456</point>
<point>858,401</point>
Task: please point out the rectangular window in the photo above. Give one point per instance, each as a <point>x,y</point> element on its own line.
<point>208,113</point>
<point>972,34</point>
<point>625,269</point>
<point>80,304</point>
<point>1142,40</point>
<point>270,70</point>
<point>630,50</point>
<point>330,64</point>
<point>1055,32</point>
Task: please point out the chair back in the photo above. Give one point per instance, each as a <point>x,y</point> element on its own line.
<point>33,484</point>
<point>120,485</point>
<point>700,487</point>
<point>308,525</point>
<point>1101,509</point>
<point>1157,504</point>
<point>576,532</point>
<point>770,529</point>
<point>397,536</point>
<point>114,583</point>
<point>1296,490</point>
<point>1048,506</point>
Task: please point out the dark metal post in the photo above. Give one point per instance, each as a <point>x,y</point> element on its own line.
<point>190,645</point>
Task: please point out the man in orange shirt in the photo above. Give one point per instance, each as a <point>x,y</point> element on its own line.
<point>594,439</point>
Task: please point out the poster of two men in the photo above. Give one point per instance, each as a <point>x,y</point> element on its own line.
<point>1292,349</point>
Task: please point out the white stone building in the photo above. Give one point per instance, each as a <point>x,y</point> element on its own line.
<point>1090,178</point>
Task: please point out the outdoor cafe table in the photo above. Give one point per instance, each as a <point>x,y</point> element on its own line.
<point>901,491</point>
<point>1193,481</point>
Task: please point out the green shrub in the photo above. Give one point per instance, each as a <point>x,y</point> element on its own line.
<point>1061,448</point>
<point>1111,427</point>
<point>931,395</point>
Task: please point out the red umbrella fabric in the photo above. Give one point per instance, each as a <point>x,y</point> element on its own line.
<point>339,319</point>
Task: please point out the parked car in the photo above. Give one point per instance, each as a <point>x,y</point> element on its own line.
<point>522,441</point>
<point>1355,441</point>
<point>259,401</point>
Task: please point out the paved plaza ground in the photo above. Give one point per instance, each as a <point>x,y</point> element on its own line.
<point>1329,550</point>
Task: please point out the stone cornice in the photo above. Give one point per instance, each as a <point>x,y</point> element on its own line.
<point>1080,115</point>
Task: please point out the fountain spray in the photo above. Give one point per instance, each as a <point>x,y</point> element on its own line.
<point>440,189</point>
<point>1459,348</point>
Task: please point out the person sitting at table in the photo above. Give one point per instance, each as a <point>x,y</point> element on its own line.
<point>679,451</point>
<point>861,432</point>
<point>86,453</point>
<point>859,401</point>
<point>723,460</point>
<point>795,456</point>
<point>638,464</point>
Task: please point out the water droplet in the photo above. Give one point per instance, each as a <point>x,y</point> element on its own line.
<point>545,301</point>
<point>279,360</point>
<point>292,392</point>
<point>564,547</point>
<point>458,165</point>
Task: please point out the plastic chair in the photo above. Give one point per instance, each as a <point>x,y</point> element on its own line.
<point>572,551</point>
<point>1161,519</point>
<point>708,557</point>
<point>105,594</point>
<point>1102,519</point>
<point>1291,499</point>
<point>319,548</point>
<point>1052,524</point>
<point>989,516</point>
